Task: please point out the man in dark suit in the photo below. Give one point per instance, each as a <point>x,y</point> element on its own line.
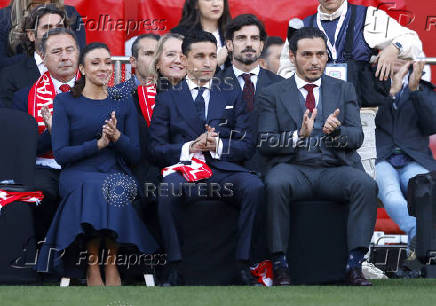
<point>28,70</point>
<point>60,53</point>
<point>309,129</point>
<point>404,123</point>
<point>199,119</point>
<point>245,38</point>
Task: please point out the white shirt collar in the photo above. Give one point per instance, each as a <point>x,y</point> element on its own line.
<point>38,59</point>
<point>334,15</point>
<point>301,83</point>
<point>254,71</point>
<point>192,85</point>
<point>57,83</point>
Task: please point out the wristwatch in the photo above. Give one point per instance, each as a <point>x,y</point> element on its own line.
<point>398,46</point>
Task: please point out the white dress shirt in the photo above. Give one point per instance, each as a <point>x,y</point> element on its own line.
<point>184,154</point>
<point>301,83</point>
<point>316,90</point>
<point>380,31</point>
<point>39,63</point>
<point>57,84</point>
<point>254,75</point>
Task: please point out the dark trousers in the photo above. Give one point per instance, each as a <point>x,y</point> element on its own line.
<point>241,189</point>
<point>286,183</point>
<point>47,181</point>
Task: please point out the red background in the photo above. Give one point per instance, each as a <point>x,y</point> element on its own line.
<point>419,15</point>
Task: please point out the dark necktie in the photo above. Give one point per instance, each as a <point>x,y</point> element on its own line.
<point>199,104</point>
<point>65,87</point>
<point>248,92</point>
<point>310,99</point>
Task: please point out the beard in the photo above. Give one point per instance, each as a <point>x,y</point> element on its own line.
<point>246,60</point>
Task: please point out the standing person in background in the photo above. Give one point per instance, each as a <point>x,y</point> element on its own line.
<point>31,67</point>
<point>373,37</point>
<point>270,56</point>
<point>11,21</point>
<point>95,140</point>
<point>168,64</point>
<point>208,15</point>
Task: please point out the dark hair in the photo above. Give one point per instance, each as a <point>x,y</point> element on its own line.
<point>31,23</point>
<point>58,31</point>
<point>191,16</point>
<point>305,32</point>
<point>197,37</point>
<point>135,47</point>
<point>270,41</point>
<point>77,90</point>
<point>245,20</point>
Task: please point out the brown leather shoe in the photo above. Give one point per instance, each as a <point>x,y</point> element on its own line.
<point>355,277</point>
<point>281,277</point>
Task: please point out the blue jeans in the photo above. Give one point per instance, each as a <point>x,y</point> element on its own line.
<point>392,184</point>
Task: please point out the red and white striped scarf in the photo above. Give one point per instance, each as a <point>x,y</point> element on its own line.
<point>41,94</point>
<point>147,100</point>
<point>196,171</point>
<point>7,197</point>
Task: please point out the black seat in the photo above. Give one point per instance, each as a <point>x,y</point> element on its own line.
<point>19,136</point>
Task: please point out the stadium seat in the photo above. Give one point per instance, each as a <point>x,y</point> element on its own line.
<point>317,252</point>
<point>18,132</point>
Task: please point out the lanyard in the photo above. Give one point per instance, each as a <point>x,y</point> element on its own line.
<point>332,48</point>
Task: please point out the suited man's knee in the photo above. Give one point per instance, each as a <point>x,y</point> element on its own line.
<point>364,183</point>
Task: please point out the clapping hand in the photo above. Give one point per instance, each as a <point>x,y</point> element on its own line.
<point>332,123</point>
<point>308,121</point>
<point>110,128</point>
<point>206,142</point>
<point>47,117</point>
<point>415,77</point>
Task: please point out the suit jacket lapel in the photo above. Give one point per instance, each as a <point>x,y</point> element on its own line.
<point>329,97</point>
<point>289,98</point>
<point>185,105</point>
<point>216,104</point>
<point>260,80</point>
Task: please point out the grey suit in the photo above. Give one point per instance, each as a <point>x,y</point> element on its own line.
<point>335,173</point>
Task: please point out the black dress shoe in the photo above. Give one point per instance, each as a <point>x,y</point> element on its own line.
<point>281,277</point>
<point>175,278</point>
<point>247,279</point>
<point>355,277</point>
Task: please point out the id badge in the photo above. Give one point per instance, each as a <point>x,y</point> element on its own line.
<point>338,71</point>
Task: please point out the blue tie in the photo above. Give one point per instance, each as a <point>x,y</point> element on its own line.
<point>199,104</point>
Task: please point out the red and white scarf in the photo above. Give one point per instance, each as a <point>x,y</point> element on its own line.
<point>41,94</point>
<point>263,271</point>
<point>147,100</point>
<point>196,171</point>
<point>7,197</point>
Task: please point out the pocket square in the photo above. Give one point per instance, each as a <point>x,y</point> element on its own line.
<point>229,106</point>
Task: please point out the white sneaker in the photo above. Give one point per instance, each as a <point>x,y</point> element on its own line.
<point>372,272</point>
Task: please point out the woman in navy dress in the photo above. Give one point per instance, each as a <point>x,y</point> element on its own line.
<point>94,139</point>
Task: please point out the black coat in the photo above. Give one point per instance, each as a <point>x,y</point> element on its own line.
<point>13,78</point>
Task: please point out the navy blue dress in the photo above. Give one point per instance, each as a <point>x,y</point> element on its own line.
<point>96,186</point>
